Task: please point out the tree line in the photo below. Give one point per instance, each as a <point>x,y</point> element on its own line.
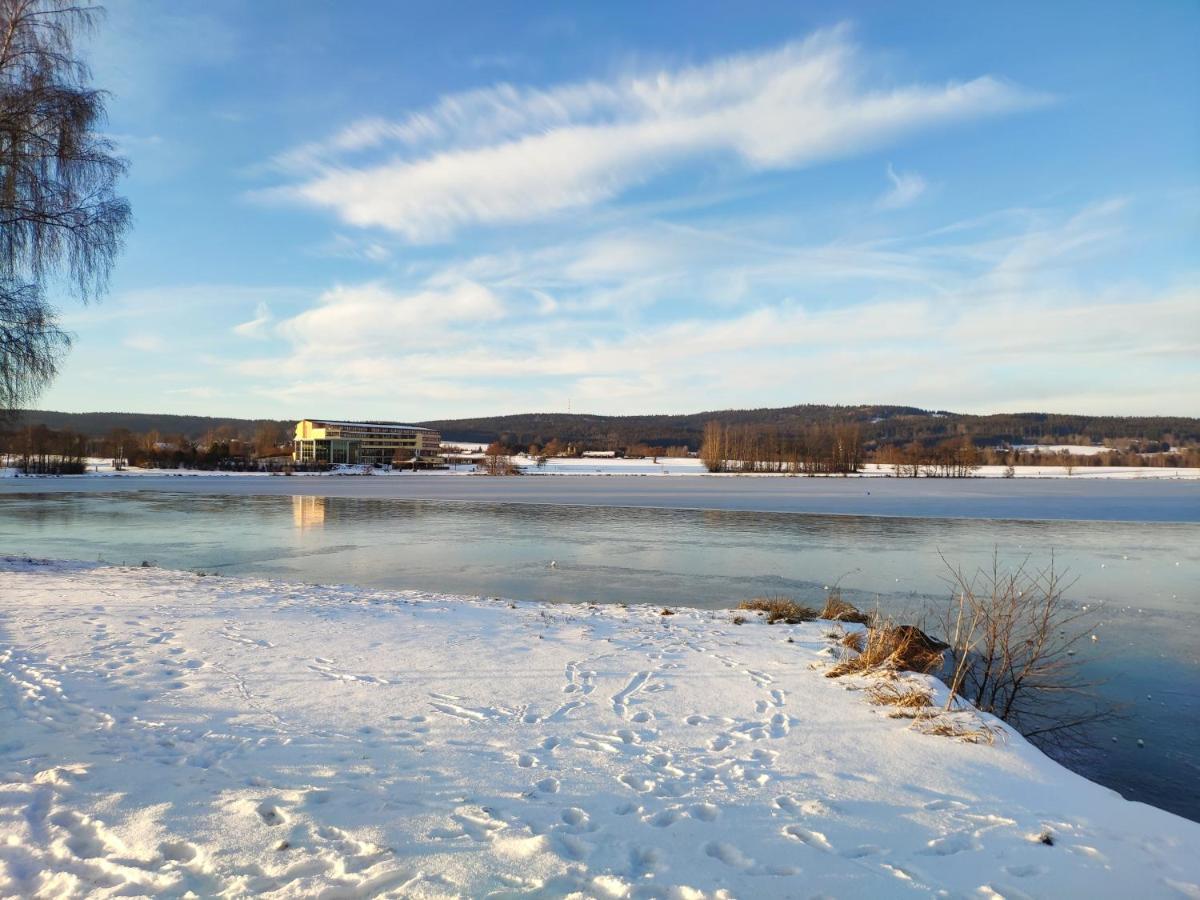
<point>36,449</point>
<point>879,426</point>
<point>961,458</point>
<point>817,450</point>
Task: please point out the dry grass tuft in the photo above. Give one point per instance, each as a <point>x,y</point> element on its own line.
<point>907,702</point>
<point>963,727</point>
<point>667,612</point>
<point>892,648</point>
<point>739,620</point>
<point>838,610</point>
<point>780,609</point>
<point>855,640</point>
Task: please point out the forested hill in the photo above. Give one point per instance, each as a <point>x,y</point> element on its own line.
<point>101,424</point>
<point>879,424</point>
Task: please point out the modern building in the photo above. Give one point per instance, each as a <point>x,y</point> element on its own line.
<point>364,443</point>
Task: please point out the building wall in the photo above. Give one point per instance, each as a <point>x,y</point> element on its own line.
<point>361,442</point>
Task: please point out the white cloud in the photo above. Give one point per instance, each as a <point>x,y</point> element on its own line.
<point>911,351</point>
<point>509,154</point>
<point>198,393</point>
<point>906,188</point>
<point>145,342</point>
<point>353,319</point>
<point>941,325</point>
<point>256,327</point>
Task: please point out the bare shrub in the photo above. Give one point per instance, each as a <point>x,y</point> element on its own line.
<point>780,609</point>
<point>838,610</point>
<point>1012,637</point>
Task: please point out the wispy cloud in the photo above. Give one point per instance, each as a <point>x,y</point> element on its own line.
<point>510,154</point>
<point>352,319</point>
<point>933,308</point>
<point>145,342</point>
<point>256,327</point>
<point>906,188</point>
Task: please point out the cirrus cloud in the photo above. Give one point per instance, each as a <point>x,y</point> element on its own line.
<point>508,154</point>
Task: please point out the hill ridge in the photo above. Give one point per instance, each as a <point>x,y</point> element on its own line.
<point>880,423</point>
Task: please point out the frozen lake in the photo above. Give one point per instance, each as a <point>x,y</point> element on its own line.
<point>1134,549</point>
<point>1148,500</point>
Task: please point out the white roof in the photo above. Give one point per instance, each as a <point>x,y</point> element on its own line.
<point>384,425</point>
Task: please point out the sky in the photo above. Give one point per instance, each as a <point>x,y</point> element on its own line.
<point>424,211</point>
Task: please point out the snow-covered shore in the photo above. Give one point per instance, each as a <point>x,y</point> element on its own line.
<point>663,466</point>
<point>162,732</point>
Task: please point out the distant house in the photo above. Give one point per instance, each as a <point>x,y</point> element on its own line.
<point>274,462</point>
<point>600,454</point>
<point>325,441</point>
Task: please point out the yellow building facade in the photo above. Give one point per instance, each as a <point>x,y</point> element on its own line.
<point>323,441</point>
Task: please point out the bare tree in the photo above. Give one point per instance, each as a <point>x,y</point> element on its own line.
<point>713,449</point>
<point>61,220</point>
<point>1068,462</point>
<point>1013,640</point>
<point>497,461</point>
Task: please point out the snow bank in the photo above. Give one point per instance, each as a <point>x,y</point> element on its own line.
<point>162,733</point>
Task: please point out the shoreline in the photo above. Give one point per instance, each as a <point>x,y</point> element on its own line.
<point>383,736</point>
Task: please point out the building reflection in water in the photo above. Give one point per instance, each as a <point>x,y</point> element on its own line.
<point>308,512</point>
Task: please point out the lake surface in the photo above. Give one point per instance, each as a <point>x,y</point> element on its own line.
<point>1143,577</point>
<point>1134,500</point>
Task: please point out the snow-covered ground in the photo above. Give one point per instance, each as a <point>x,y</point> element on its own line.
<point>1071,449</point>
<point>164,733</point>
<point>641,467</point>
<point>692,466</point>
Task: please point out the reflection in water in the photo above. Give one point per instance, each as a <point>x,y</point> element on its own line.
<point>308,512</point>
<point>1144,578</point>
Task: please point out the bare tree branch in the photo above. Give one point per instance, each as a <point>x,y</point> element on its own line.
<point>61,220</point>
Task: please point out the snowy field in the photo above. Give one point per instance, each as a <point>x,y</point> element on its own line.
<point>689,466</point>
<point>163,733</point>
<point>664,466</point>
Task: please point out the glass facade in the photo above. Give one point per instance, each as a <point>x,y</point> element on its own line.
<point>364,443</point>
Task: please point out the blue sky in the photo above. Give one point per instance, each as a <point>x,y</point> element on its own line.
<point>414,211</point>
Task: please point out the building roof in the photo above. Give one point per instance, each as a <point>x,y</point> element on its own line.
<point>368,424</point>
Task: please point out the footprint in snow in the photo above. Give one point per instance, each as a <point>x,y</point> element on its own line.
<point>949,845</point>
<point>576,818</point>
<point>705,812</point>
<point>812,838</point>
<point>270,813</point>
<point>662,819</point>
<point>728,854</point>
<point>177,851</point>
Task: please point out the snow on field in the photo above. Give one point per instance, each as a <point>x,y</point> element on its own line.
<point>164,733</point>
<point>1072,449</point>
<point>691,466</point>
<point>639,467</point>
<point>612,466</point>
